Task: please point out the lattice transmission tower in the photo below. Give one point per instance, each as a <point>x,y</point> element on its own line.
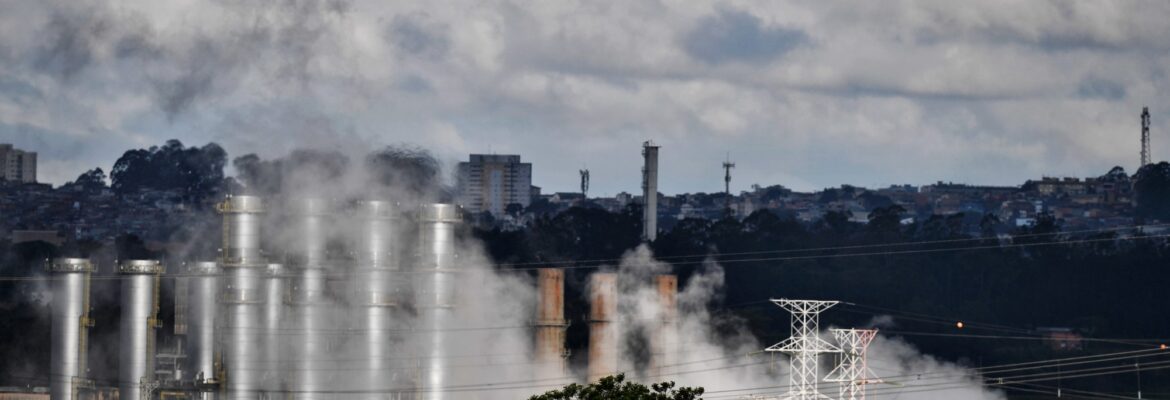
<point>804,346</point>
<point>852,372</point>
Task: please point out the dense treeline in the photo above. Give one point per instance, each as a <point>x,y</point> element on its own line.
<point>1108,284</point>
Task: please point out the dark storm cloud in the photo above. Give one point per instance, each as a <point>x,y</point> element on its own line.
<point>732,35</point>
<point>206,62</point>
<point>70,41</point>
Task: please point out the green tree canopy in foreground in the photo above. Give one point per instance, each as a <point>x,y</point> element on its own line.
<point>613,387</point>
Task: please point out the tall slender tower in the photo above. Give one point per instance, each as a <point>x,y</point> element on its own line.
<point>585,183</point>
<point>1145,137</point>
<point>727,166</point>
<point>649,191</point>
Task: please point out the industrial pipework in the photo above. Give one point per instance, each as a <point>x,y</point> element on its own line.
<point>437,268</point>
<point>140,286</point>
<point>71,322</point>
<point>602,331</point>
<point>550,324</point>
<point>242,296</point>
<point>311,311</point>
<point>375,298</point>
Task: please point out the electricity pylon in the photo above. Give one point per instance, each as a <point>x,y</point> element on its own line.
<point>804,346</point>
<point>853,373</point>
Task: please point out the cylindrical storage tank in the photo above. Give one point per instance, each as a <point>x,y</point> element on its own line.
<point>242,300</point>
<point>242,297</point>
<point>201,344</point>
<point>436,268</point>
<point>70,331</point>
<point>312,315</point>
<point>550,324</point>
<point>374,298</point>
<point>603,344</point>
<point>140,286</point>
<point>241,229</point>
<point>310,219</point>
<point>273,315</point>
<point>664,340</point>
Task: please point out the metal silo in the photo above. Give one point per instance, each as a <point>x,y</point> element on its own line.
<point>273,315</point>
<point>140,286</point>
<point>242,296</point>
<point>201,343</point>
<point>436,269</point>
<point>311,313</point>
<point>71,322</point>
<point>374,298</point>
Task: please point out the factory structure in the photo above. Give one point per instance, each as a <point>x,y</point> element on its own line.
<point>316,322</point>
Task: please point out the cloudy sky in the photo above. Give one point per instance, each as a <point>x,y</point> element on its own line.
<point>808,94</point>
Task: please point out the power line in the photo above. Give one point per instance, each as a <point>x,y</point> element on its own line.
<point>482,268</point>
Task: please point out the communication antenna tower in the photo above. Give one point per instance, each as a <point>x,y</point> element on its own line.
<point>1145,136</point>
<point>727,166</point>
<point>853,373</point>
<point>804,346</point>
<point>585,183</point>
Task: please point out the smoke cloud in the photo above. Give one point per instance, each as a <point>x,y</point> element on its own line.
<point>719,354</point>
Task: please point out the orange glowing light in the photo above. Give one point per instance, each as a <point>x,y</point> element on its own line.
<point>959,325</point>
<point>1163,347</point>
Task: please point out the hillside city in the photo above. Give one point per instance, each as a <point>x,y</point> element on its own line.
<point>90,209</point>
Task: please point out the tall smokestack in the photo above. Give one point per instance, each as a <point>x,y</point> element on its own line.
<point>201,344</point>
<point>437,264</point>
<point>70,332</point>
<point>665,338</point>
<point>242,296</point>
<point>273,316</point>
<point>374,298</point>
<point>602,331</point>
<point>649,191</point>
<point>140,285</point>
<point>550,324</point>
<point>312,312</point>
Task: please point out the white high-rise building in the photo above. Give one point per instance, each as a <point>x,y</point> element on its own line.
<point>490,182</point>
<point>17,165</point>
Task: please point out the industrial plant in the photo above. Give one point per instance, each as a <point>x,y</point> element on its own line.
<point>367,313</point>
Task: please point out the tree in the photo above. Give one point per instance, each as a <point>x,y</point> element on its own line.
<point>405,168</point>
<point>1152,190</point>
<point>614,387</point>
<point>91,181</point>
<point>195,171</point>
<point>514,209</point>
